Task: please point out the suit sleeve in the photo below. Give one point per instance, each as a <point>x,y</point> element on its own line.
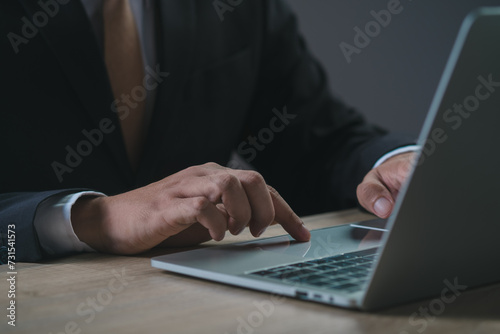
<point>320,148</point>
<point>18,210</point>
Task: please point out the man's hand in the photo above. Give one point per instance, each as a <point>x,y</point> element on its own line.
<point>194,205</point>
<point>380,187</point>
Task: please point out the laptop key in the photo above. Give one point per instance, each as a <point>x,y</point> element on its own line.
<point>283,270</point>
<point>302,272</point>
<point>320,261</point>
<point>303,279</point>
<point>357,270</point>
<point>364,260</point>
<point>338,280</point>
<point>323,267</point>
<point>343,264</point>
<point>371,256</point>
<point>336,259</point>
<point>284,275</point>
<point>312,278</point>
<point>350,256</point>
<point>343,271</point>
<point>302,265</point>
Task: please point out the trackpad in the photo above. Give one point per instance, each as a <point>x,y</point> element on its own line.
<point>324,242</point>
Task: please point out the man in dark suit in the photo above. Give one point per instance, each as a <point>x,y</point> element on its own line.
<point>111,110</point>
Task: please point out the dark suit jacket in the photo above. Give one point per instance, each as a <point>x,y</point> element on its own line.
<point>226,77</point>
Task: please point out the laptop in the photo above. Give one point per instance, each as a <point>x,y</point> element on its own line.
<point>443,235</point>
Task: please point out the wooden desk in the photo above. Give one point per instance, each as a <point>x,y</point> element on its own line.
<point>130,296</point>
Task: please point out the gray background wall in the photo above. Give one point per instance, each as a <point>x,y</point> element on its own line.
<point>392,81</point>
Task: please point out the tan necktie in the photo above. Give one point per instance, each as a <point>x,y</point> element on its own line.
<point>122,53</point>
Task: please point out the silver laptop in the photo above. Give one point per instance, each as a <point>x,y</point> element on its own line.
<point>443,235</point>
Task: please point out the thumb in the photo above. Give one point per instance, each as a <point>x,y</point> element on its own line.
<point>374,196</point>
<point>380,187</point>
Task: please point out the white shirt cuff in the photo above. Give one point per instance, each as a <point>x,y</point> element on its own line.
<point>401,150</point>
<point>53,224</point>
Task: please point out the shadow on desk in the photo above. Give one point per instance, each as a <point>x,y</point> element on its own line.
<point>482,303</point>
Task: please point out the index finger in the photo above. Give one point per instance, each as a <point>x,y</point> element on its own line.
<point>285,216</point>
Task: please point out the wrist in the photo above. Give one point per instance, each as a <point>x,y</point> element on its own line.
<point>87,218</point>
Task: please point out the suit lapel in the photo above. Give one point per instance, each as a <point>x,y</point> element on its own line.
<point>176,24</point>
<point>72,40</point>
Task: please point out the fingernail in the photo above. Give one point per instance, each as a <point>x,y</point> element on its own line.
<point>221,237</point>
<point>261,232</point>
<point>240,230</point>
<point>382,207</point>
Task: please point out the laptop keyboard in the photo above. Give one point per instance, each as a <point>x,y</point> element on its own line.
<point>347,271</point>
